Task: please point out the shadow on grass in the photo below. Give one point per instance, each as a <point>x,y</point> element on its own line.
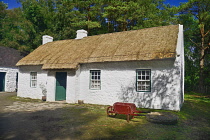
<point>90,122</point>
<point>194,124</point>
<point>48,124</point>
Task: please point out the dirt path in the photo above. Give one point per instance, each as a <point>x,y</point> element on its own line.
<point>30,120</point>
<point>4,100</point>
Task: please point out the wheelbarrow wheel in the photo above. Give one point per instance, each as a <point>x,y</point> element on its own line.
<point>110,112</point>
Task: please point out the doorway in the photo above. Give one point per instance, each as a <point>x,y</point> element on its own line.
<point>60,93</point>
<point>2,81</point>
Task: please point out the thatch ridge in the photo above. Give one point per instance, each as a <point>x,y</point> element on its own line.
<point>143,44</point>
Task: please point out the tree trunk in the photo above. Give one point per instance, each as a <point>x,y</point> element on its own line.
<point>201,79</point>
<point>202,54</point>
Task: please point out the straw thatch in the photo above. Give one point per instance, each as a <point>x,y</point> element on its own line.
<point>144,44</point>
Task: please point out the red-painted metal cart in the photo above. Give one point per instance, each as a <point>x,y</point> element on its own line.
<point>128,109</point>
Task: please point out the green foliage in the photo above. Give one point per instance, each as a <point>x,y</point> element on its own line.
<point>61,19</point>
<point>3,7</point>
<point>23,28</point>
<point>125,15</point>
<point>195,16</point>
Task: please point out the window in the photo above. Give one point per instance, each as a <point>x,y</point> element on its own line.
<point>33,79</point>
<point>143,80</point>
<point>95,79</point>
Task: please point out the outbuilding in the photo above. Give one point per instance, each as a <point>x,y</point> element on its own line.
<point>145,67</point>
<point>8,69</point>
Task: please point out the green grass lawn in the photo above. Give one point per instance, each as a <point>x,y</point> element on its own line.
<point>91,122</point>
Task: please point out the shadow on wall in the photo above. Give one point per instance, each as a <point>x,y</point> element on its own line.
<point>165,92</point>
<point>44,89</point>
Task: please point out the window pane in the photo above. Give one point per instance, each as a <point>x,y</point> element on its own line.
<point>95,79</point>
<point>147,83</point>
<point>92,86</point>
<point>143,80</point>
<point>147,88</point>
<point>33,79</point>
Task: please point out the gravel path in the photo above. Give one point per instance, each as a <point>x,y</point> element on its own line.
<point>4,100</point>
<point>31,120</point>
<point>32,107</point>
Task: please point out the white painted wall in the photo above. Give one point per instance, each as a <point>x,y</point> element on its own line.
<point>71,87</point>
<point>118,84</point>
<point>24,89</point>
<point>51,84</point>
<point>10,78</point>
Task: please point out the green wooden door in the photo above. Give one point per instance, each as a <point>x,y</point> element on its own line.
<point>60,86</point>
<point>2,81</point>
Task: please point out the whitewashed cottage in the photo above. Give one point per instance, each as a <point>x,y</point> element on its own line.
<point>145,67</point>
<point>8,71</point>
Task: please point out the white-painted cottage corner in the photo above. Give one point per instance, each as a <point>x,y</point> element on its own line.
<point>9,79</point>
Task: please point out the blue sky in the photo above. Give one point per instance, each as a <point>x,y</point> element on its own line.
<point>13,4</point>
<point>175,2</point>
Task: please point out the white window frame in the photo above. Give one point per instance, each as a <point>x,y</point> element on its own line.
<point>143,80</point>
<point>33,79</point>
<point>95,79</point>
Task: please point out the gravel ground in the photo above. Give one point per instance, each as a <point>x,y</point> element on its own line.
<point>3,100</point>
<point>31,120</point>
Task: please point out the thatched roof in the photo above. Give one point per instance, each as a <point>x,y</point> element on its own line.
<point>144,44</point>
<point>9,57</point>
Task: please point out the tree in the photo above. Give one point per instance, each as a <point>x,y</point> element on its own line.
<point>61,19</point>
<point>199,11</point>
<point>87,14</point>
<point>12,33</point>
<point>122,15</point>
<point>3,8</point>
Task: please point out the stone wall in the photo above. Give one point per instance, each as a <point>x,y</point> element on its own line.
<point>10,78</point>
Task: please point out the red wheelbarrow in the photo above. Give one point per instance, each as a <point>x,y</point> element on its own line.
<point>128,109</point>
